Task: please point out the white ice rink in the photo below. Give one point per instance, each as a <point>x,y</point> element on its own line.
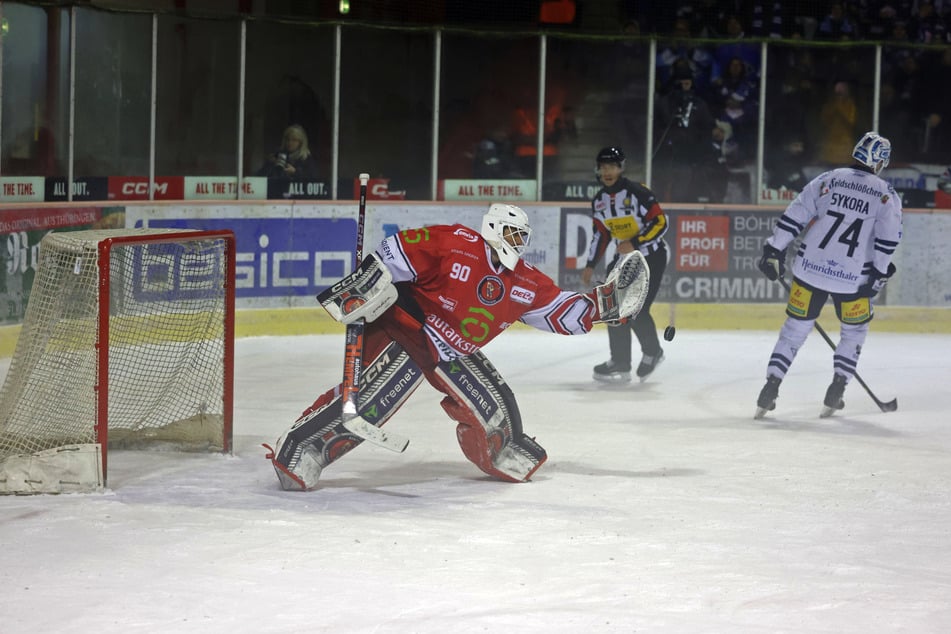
<point>664,507</point>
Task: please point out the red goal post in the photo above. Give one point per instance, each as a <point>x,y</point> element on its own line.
<point>127,342</point>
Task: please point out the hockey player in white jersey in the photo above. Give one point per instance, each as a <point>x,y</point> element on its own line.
<point>850,221</point>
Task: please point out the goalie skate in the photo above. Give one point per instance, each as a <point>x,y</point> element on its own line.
<point>298,462</point>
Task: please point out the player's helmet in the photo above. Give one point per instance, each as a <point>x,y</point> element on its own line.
<point>506,220</point>
<point>873,151</point>
<point>610,155</point>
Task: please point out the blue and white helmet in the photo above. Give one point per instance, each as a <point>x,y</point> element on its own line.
<point>873,151</point>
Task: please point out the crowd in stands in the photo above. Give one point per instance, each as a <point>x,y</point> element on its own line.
<point>921,21</point>
<point>819,97</point>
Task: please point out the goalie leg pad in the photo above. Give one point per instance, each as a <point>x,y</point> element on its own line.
<point>489,427</point>
<point>318,437</point>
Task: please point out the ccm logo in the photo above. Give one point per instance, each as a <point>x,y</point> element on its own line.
<point>522,295</point>
<point>143,188</point>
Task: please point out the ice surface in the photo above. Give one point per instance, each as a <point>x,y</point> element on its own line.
<point>664,507</point>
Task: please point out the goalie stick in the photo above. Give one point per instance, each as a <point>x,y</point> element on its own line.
<point>353,361</point>
<point>889,406</point>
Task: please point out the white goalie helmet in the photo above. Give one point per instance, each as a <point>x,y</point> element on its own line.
<point>505,227</point>
<point>873,151</point>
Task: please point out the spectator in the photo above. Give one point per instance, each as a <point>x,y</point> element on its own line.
<point>877,23</point>
<point>742,119</point>
<point>681,51</point>
<point>684,121</point>
<point>838,118</point>
<point>896,121</point>
<point>899,33</point>
<point>836,25</point>
<point>293,161</point>
<point>937,110</point>
<point>792,107</point>
<point>703,16</point>
<point>559,123</point>
<point>771,19</point>
<point>720,157</point>
<point>927,27</point>
<point>493,157</point>
<point>913,94</point>
<point>738,79</point>
<point>738,46</point>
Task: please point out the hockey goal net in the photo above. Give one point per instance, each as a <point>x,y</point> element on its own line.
<point>127,342</point>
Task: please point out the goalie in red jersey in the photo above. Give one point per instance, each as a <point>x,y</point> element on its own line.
<point>432,298</point>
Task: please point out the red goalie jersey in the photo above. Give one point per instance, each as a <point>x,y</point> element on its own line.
<point>466,300</point>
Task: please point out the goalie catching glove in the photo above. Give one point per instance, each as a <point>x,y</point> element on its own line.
<point>364,294</point>
<point>622,295</point>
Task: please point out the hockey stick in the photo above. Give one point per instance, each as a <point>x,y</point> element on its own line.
<point>889,406</point>
<point>353,360</point>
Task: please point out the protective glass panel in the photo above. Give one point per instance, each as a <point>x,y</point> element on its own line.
<point>489,89</point>
<point>196,129</point>
<point>705,123</point>
<point>35,90</point>
<point>819,101</point>
<point>596,96</point>
<point>386,109</point>
<point>113,94</point>
<point>288,113</point>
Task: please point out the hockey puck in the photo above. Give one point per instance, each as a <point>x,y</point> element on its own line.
<point>669,333</point>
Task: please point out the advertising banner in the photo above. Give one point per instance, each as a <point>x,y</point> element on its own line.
<point>378,189</point>
<point>137,188</point>
<point>224,187</point>
<point>84,189</point>
<point>21,231</point>
<point>288,254</point>
<point>484,189</point>
<point>285,255</point>
<point>713,254</point>
<point>22,189</point>
<point>278,188</point>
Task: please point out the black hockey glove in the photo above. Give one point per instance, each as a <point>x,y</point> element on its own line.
<point>773,262</point>
<point>876,281</point>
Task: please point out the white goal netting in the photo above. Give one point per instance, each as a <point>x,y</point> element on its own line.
<point>126,342</point>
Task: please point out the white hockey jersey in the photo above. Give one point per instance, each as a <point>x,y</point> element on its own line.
<point>852,223</point>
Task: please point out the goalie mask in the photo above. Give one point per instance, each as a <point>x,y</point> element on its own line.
<point>506,229</point>
<point>873,151</point>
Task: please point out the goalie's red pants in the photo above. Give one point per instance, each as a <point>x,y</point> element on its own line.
<point>489,428</point>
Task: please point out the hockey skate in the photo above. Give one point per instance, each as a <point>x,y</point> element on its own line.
<point>767,397</point>
<point>649,364</point>
<point>833,401</point>
<point>610,372</point>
